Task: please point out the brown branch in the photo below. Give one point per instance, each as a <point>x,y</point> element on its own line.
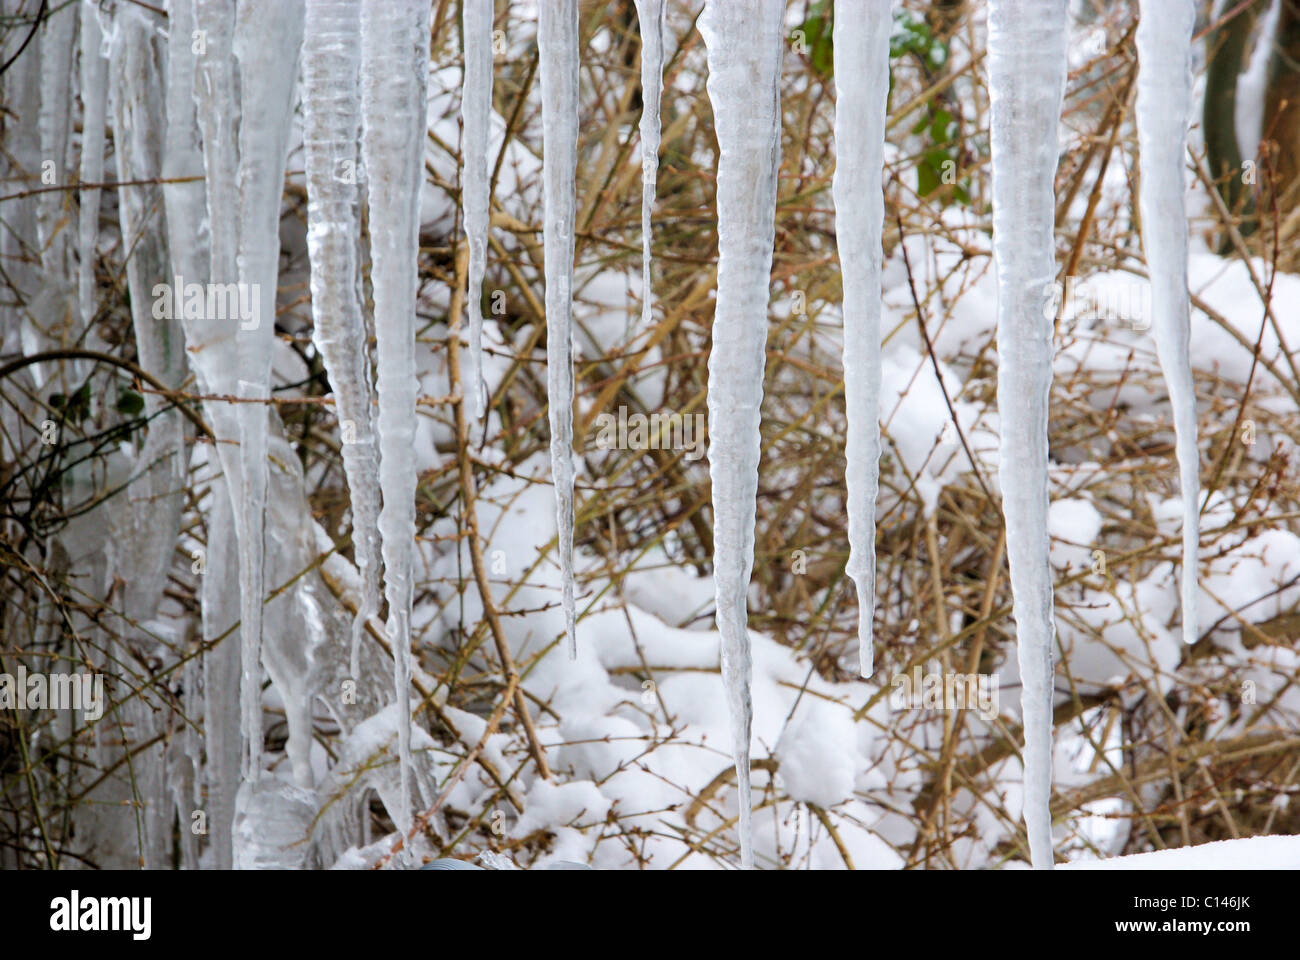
<point>468,495</point>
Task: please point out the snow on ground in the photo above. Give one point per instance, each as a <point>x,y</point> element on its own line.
<point>1247,853</point>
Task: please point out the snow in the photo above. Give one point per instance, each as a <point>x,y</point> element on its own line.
<point>392,144</point>
<point>331,128</point>
<point>861,94</point>
<point>476,113</point>
<point>745,44</point>
<point>557,42</point>
<point>1026,67</point>
<point>1245,853</point>
<point>1164,101</point>
<point>650,18</point>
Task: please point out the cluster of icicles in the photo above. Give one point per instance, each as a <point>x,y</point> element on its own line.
<point>364,65</point>
<point>1027,68</point>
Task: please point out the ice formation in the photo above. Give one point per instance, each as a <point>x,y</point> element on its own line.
<point>476,111</point>
<point>861,93</point>
<point>331,107</point>
<point>745,44</point>
<point>1164,101</point>
<point>557,43</point>
<point>1027,47</point>
<point>394,63</point>
<point>650,15</point>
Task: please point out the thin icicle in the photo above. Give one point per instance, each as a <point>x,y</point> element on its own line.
<point>1164,101</point>
<point>650,15</point>
<point>394,69</point>
<point>557,44</point>
<point>20,163</point>
<point>1026,49</point>
<point>476,113</point>
<point>267,42</point>
<point>745,42</point>
<point>331,128</point>
<point>94,98</point>
<point>218,110</point>
<point>221,674</point>
<point>861,93</point>
<point>48,321</point>
<point>183,191</point>
<point>156,495</point>
<point>59,31</point>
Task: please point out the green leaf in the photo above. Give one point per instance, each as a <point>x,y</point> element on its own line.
<point>129,403</point>
<point>927,178</point>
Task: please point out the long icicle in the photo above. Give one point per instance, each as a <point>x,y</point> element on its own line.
<point>1027,46</point>
<point>476,113</point>
<point>394,68</point>
<point>94,97</point>
<point>861,50</point>
<point>331,128</point>
<point>55,122</point>
<point>50,318</point>
<point>745,42</point>
<point>1164,101</point>
<point>267,42</point>
<point>557,43</point>
<point>650,16</point>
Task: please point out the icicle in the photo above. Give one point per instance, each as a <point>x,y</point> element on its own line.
<point>650,15</point>
<point>47,320</point>
<point>861,92</point>
<point>394,69</point>
<point>557,43</point>
<point>184,193</point>
<point>476,113</point>
<point>156,494</point>
<point>218,111</point>
<point>221,674</point>
<point>331,128</point>
<point>267,41</point>
<point>56,100</point>
<point>1026,50</point>
<point>94,98</point>
<point>745,42</point>
<point>20,161</point>
<point>1164,95</point>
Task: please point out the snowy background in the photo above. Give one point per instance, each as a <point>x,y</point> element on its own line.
<point>125,527</point>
